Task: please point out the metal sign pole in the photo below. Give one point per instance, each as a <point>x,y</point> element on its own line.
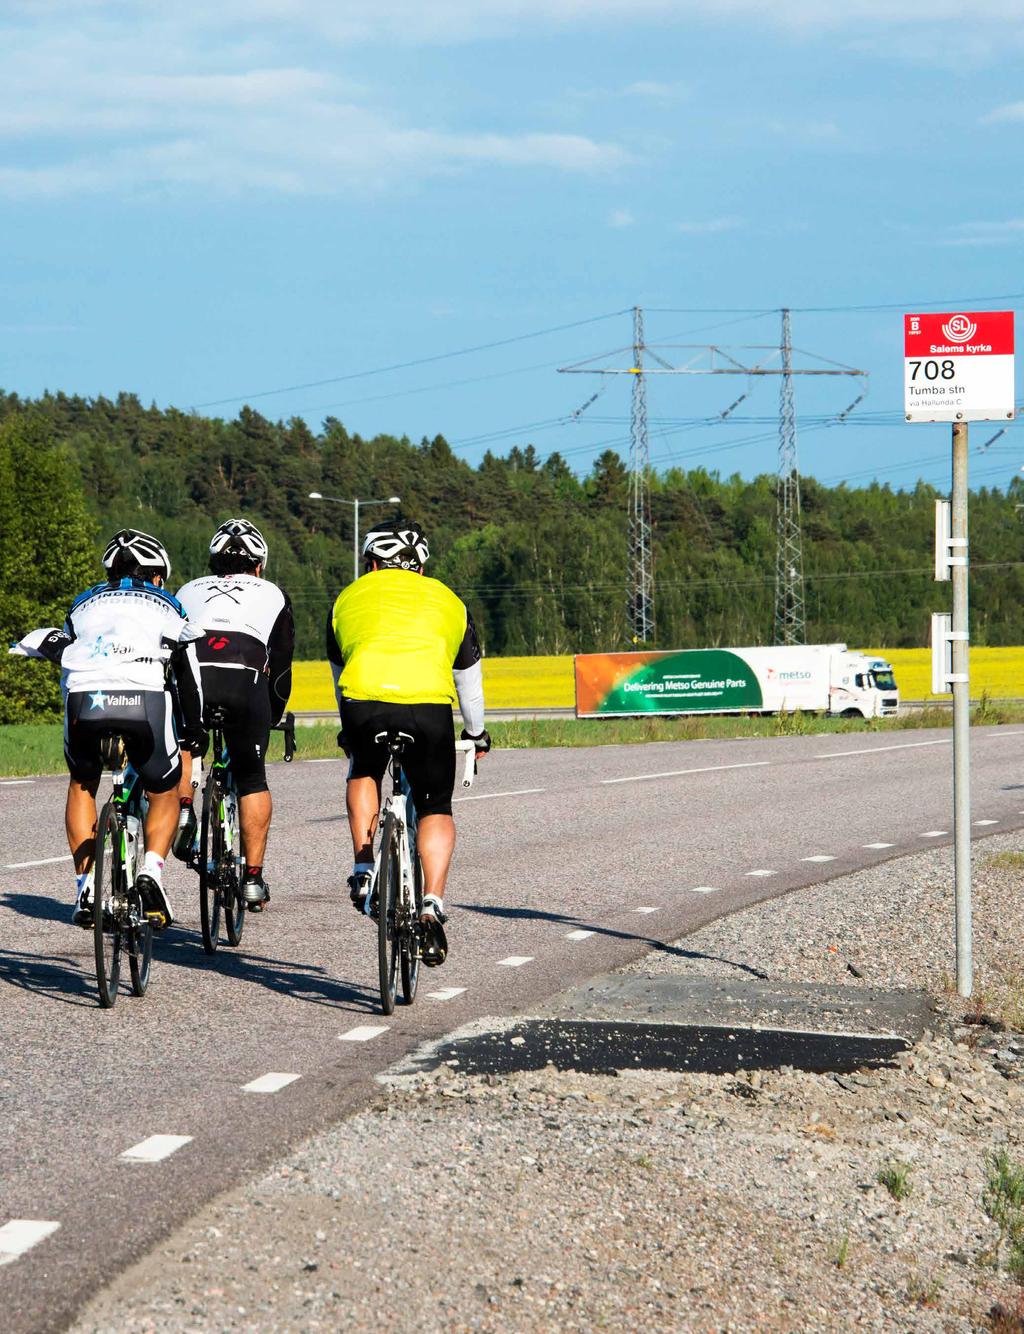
<point>961,717</point>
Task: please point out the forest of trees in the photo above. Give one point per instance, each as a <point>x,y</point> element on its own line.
<point>537,552</point>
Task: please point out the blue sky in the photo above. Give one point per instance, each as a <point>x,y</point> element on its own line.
<point>204,204</point>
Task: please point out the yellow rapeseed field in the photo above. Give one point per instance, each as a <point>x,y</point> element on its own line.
<point>534,683</point>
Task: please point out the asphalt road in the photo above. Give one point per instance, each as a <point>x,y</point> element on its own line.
<point>570,862</point>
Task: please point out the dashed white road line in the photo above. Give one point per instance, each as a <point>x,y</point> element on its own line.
<point>21,1234</point>
<point>760,872</point>
<point>645,910</point>
<point>446,993</point>
<point>363,1033</point>
<point>515,960</point>
<point>18,782</point>
<point>986,821</point>
<point>155,1148</point>
<point>272,1083</point>
<point>873,750</point>
<point>935,833</point>
<point>677,773</point>
<point>328,759</point>
<point>878,845</point>
<point>489,796</point>
<point>703,889</point>
<point>43,861</point>
<point>819,857</point>
<point>578,935</point>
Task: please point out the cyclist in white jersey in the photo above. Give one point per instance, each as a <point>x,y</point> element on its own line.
<point>121,642</point>
<point>245,656</point>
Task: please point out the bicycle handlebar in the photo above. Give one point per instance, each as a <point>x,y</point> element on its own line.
<point>287,726</point>
<point>468,748</point>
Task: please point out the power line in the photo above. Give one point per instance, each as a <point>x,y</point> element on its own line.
<point>406,365</point>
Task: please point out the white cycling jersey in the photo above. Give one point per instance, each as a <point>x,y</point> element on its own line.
<point>243,616</point>
<point>122,635</point>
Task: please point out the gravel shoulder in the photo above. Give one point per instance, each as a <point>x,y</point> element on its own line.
<point>556,1201</point>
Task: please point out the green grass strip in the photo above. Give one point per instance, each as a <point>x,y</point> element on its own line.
<point>28,749</point>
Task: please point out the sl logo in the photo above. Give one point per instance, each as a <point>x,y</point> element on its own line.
<point>217,642</point>
<point>959,329</point>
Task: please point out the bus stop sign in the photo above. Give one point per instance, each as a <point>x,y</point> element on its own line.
<point>958,367</point>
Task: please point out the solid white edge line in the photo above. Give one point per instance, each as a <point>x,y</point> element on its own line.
<point>20,1234</point>
<point>873,750</point>
<point>515,960</point>
<point>678,773</point>
<point>447,993</point>
<point>43,861</point>
<point>269,1083</point>
<point>363,1033</point>
<point>578,935</point>
<point>155,1148</point>
<point>486,796</point>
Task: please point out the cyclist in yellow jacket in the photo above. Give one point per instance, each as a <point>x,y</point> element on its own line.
<point>402,648</point>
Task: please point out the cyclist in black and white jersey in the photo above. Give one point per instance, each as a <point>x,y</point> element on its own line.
<point>245,656</point>
<point>121,643</point>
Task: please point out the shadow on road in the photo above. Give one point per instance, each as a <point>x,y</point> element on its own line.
<point>534,914</point>
<point>61,978</point>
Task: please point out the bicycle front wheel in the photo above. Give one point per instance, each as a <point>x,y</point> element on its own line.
<point>387,901</point>
<point>109,904</point>
<point>210,848</point>
<point>410,942</point>
<point>230,878</point>
<point>140,953</point>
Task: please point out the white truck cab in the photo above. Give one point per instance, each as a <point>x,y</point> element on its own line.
<point>862,686</point>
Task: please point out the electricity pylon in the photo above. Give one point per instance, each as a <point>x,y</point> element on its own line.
<point>789,557</point>
<point>640,567</point>
<point>789,624</point>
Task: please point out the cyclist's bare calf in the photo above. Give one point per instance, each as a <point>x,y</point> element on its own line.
<point>80,822</point>
<point>254,812</point>
<point>435,834</point>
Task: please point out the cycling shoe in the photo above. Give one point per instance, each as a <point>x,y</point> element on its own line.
<point>256,893</point>
<point>155,903</point>
<point>435,943</point>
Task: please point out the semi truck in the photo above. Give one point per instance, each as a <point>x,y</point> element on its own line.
<point>814,678</point>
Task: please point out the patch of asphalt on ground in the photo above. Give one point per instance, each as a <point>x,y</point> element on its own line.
<point>550,1201</point>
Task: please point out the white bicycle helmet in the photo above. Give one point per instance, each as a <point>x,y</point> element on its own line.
<point>130,552</point>
<point>236,545</point>
<point>396,545</point>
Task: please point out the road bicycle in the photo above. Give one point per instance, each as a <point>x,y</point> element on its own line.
<point>218,855</point>
<point>396,885</point>
<point>119,922</point>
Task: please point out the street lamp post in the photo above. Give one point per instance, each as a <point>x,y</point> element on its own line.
<point>341,500</point>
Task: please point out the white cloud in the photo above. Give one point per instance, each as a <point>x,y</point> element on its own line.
<point>620,217</point>
<point>73,119</point>
<point>710,227</point>
<point>986,233</point>
<point>1013,111</point>
<point>657,92</point>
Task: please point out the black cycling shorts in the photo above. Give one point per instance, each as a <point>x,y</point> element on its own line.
<point>429,763</point>
<point>145,720</point>
<point>245,698</point>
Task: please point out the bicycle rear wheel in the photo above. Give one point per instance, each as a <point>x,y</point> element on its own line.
<point>387,899</point>
<point>410,943</point>
<point>210,843</point>
<point>109,902</point>
<point>230,877</point>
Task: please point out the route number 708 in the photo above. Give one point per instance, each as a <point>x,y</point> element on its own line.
<point>934,370</point>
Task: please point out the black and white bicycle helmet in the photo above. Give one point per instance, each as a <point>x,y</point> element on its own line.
<point>131,553</point>
<point>396,545</point>
<point>237,545</point>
